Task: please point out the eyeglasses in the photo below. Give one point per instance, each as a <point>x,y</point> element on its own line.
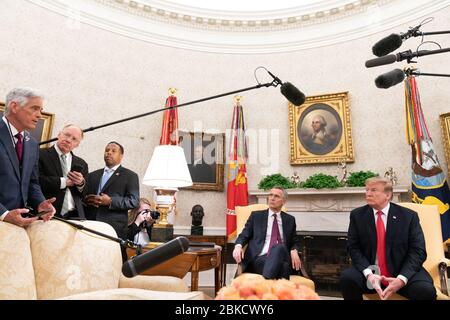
<point>70,137</point>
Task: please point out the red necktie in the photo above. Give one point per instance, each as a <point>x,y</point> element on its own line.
<point>381,247</point>
<point>275,237</point>
<point>19,146</point>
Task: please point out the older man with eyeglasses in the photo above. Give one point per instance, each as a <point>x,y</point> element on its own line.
<point>62,174</point>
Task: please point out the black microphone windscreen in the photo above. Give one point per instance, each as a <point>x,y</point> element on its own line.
<point>155,256</point>
<point>381,61</point>
<point>390,79</point>
<point>295,96</point>
<point>387,45</point>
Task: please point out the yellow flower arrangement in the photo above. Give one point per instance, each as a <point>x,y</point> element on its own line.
<point>250,286</point>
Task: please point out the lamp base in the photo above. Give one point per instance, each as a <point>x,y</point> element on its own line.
<point>162,233</point>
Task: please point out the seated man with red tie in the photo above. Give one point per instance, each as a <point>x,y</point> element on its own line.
<point>272,241</point>
<point>386,237</point>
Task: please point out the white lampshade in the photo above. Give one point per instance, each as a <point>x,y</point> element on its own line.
<point>168,168</point>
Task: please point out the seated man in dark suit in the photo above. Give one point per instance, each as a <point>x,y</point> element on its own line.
<point>388,237</point>
<point>62,174</point>
<point>272,241</point>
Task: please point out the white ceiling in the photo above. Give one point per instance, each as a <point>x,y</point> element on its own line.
<point>243,26</point>
<point>239,5</point>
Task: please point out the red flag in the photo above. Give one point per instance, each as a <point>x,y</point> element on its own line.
<point>169,132</point>
<point>169,136</point>
<point>237,187</point>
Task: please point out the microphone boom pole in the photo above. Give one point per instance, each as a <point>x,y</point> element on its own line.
<point>122,242</point>
<point>274,83</point>
<point>432,33</point>
<point>418,73</point>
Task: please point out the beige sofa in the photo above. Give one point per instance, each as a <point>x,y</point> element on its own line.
<point>54,260</point>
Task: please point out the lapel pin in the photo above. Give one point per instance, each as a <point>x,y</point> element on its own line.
<point>117,174</point>
<point>394,217</point>
<point>27,138</point>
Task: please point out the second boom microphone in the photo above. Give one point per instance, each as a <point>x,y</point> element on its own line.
<point>391,58</point>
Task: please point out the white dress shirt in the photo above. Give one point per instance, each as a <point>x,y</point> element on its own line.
<point>63,183</point>
<point>270,218</point>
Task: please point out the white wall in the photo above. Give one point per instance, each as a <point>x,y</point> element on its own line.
<point>92,76</point>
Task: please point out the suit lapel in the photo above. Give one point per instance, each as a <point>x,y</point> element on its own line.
<point>117,173</point>
<point>263,221</point>
<point>285,226</point>
<point>96,179</point>
<point>75,160</point>
<point>391,227</point>
<point>27,152</point>
<point>55,159</point>
<point>372,230</point>
<point>5,138</point>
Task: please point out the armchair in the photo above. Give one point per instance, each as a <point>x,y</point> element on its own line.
<point>436,263</point>
<point>53,260</point>
<point>242,215</point>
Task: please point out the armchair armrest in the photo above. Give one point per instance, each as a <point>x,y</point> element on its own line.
<point>302,270</point>
<point>239,265</point>
<point>443,266</point>
<point>156,283</point>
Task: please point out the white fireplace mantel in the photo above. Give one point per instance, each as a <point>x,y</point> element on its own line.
<point>325,209</point>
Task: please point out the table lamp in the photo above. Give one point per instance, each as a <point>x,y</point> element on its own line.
<point>166,172</point>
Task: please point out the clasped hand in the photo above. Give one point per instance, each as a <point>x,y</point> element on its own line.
<point>394,284</point>
<point>97,200</point>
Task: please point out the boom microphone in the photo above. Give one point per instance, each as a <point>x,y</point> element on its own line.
<point>387,45</point>
<point>140,263</point>
<point>394,41</point>
<point>289,91</point>
<point>390,79</point>
<point>381,61</point>
<point>295,96</point>
<point>405,55</point>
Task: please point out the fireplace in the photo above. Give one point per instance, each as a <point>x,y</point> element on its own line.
<point>324,256</point>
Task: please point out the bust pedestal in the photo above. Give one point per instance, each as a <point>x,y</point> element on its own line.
<point>197,230</point>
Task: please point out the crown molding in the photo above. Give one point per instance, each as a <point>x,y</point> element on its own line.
<point>302,27</point>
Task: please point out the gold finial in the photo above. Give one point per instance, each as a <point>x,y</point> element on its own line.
<point>172,91</point>
<point>237,99</point>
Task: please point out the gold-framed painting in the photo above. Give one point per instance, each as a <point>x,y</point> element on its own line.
<point>205,158</point>
<point>320,130</point>
<point>44,128</point>
<point>445,129</point>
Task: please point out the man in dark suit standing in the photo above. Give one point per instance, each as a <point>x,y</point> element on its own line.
<point>19,185</point>
<point>62,174</point>
<point>272,241</point>
<point>388,237</point>
<point>112,191</point>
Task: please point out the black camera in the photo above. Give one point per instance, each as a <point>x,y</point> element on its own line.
<point>153,214</point>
